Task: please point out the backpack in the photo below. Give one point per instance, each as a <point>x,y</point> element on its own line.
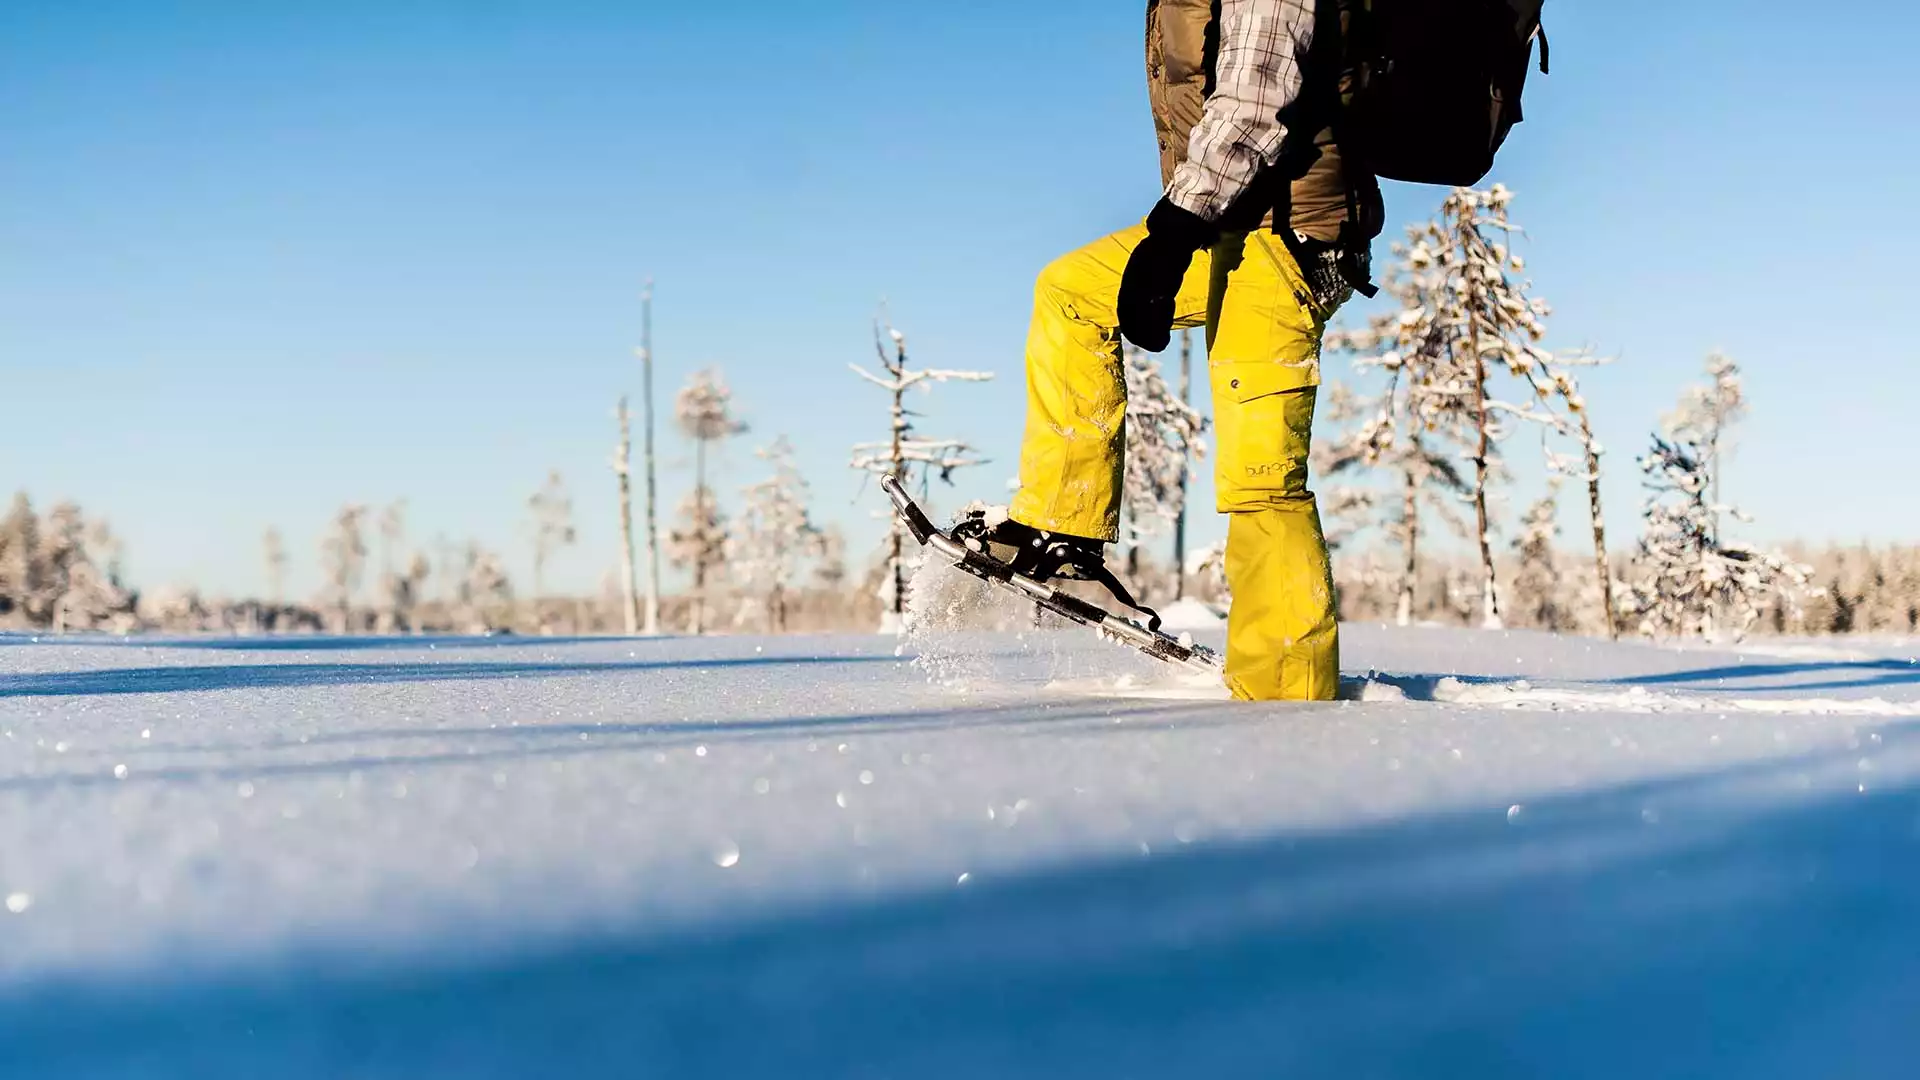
<point>1431,88</point>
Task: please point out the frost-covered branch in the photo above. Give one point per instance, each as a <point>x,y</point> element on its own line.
<point>905,453</point>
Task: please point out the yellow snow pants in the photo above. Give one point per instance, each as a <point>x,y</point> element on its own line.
<point>1263,344</point>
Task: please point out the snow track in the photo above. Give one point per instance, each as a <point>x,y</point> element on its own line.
<point>738,856</point>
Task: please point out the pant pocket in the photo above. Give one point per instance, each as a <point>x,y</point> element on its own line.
<point>1263,420</point>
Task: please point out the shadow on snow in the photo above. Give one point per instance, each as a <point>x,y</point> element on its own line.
<point>165,680</point>
<point>1733,938</point>
<point>1744,676</point>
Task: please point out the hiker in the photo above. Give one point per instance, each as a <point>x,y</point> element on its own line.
<point>1244,139</point>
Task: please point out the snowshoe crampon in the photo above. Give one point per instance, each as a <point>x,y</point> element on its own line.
<point>1153,642</point>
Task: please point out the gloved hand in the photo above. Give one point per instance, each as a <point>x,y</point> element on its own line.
<point>1152,278</point>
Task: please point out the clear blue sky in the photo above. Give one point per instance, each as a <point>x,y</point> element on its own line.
<point>260,260</point>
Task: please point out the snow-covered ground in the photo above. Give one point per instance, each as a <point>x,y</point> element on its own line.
<point>1031,855</point>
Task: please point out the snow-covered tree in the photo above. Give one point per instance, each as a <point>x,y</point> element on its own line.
<point>698,542</point>
<point>1704,415</point>
<point>629,598</point>
<point>907,454</point>
<point>1466,322</point>
<point>1206,568</point>
<point>1411,431</point>
<point>1537,579</point>
<point>830,564</point>
<point>704,411</point>
<point>59,571</point>
<point>19,561</point>
<point>1577,423</point>
<point>1180,520</point>
<point>399,594</point>
<point>1163,434</point>
<point>483,601</point>
<point>343,560</point>
<point>774,539</point>
<point>551,508</point>
<point>178,608</point>
<point>393,532</point>
<point>1691,582</point>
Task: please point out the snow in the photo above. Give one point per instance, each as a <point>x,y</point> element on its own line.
<point>1510,854</point>
<point>1189,614</point>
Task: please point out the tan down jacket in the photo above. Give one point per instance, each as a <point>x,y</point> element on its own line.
<point>1182,38</point>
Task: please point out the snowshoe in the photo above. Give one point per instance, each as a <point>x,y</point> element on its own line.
<point>1022,560</point>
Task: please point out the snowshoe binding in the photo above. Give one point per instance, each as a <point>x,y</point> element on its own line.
<point>1044,556</point>
<point>1022,560</point>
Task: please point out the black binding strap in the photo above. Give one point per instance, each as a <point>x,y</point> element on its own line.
<point>1105,578</point>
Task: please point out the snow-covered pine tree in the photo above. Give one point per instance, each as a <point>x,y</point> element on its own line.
<point>394,591</point>
<point>1163,435</point>
<point>830,565</point>
<point>1486,322</point>
<point>1691,582</point>
<point>704,411</point>
<point>1464,318</point>
<point>698,542</point>
<point>399,596</point>
<point>1704,415</point>
<point>1577,424</point>
<point>775,537</point>
<point>19,561</point>
<point>907,455</point>
<point>78,573</point>
<point>1537,578</point>
<point>343,560</point>
<point>1416,428</point>
<point>483,600</point>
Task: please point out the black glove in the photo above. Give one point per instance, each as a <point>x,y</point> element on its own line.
<point>1152,277</point>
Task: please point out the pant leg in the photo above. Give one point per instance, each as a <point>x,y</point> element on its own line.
<point>1073,448</point>
<point>1264,348</point>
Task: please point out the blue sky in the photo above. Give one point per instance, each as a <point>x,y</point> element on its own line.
<point>257,261</point>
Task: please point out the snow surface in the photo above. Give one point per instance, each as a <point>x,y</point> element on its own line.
<point>1512,855</point>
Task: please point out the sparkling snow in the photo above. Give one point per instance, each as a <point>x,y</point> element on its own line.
<point>1506,854</point>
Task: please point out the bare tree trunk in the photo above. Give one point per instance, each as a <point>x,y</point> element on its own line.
<point>1600,566</point>
<point>1410,509</point>
<point>697,618</point>
<point>651,623</point>
<point>1180,522</point>
<point>1713,478</point>
<point>1489,603</point>
<point>897,556</point>
<point>629,598</point>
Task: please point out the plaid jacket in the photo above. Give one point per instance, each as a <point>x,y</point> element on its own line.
<point>1258,73</point>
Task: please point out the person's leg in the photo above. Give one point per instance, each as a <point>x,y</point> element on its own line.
<point>1263,351</point>
<point>1073,450</point>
